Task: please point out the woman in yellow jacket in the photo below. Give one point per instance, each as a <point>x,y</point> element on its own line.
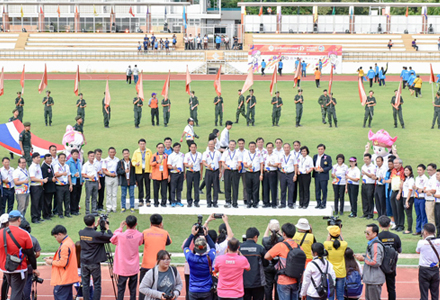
<point>418,86</point>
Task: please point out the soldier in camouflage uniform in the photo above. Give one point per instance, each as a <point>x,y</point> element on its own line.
<point>276,102</point>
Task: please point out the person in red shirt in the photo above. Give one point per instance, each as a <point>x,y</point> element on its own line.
<point>287,287</point>
<point>17,278</point>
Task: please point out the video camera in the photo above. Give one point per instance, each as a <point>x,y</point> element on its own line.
<point>333,221</point>
<point>168,296</point>
<point>37,279</point>
<point>199,227</point>
<point>102,221</point>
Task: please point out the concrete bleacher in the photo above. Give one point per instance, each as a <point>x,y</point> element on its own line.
<point>88,41</point>
<point>8,40</point>
<point>349,42</point>
<point>426,42</point>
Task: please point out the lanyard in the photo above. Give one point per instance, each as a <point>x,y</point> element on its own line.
<point>232,158</point>
<point>212,157</point>
<point>193,159</point>
<point>143,155</point>
<point>61,168</point>
<point>252,159</point>
<point>24,172</point>
<point>286,160</point>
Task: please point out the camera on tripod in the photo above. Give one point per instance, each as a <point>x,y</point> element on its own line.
<point>37,279</point>
<point>333,221</point>
<point>103,221</point>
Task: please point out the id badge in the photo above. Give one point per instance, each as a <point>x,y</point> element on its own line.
<point>161,168</point>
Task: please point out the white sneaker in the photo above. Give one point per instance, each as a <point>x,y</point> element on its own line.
<point>393,226</point>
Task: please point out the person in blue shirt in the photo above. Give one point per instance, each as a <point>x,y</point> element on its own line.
<point>411,71</point>
<point>280,67</point>
<point>263,66</point>
<point>376,73</point>
<point>320,65</point>
<point>371,74</point>
<point>139,48</point>
<point>153,41</point>
<point>297,62</point>
<point>382,76</point>
<point>303,68</point>
<point>405,76</point>
<point>218,41</point>
<point>145,44</point>
<point>438,80</point>
<point>167,46</point>
<point>411,79</point>
<point>74,164</point>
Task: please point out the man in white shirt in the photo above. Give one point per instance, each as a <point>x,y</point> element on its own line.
<point>175,165</point>
<point>135,74</point>
<point>8,186</point>
<point>97,163</point>
<point>429,249</point>
<point>211,161</point>
<point>261,150</point>
<point>419,199</point>
<point>379,193</point>
<point>224,136</point>
<point>189,133</point>
<point>92,182</point>
<point>297,155</point>
<point>279,151</point>
<point>227,43</point>
<point>288,169</point>
<point>241,170</point>
<point>63,186</point>
<point>194,174</point>
<point>199,42</point>
<point>109,167</point>
<point>191,42</point>
<point>270,182</point>
<point>429,193</point>
<point>21,181</point>
<point>254,164</point>
<point>231,160</point>
<point>53,152</point>
<point>36,189</point>
<point>368,172</point>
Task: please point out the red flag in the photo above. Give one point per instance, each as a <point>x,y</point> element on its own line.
<point>131,11</point>
<point>22,81</point>
<point>330,82</point>
<point>362,95</point>
<point>59,11</point>
<point>188,81</point>
<point>107,98</point>
<point>1,83</point>
<point>431,77</point>
<point>218,83</point>
<point>406,14</point>
<point>140,86</point>
<point>41,10</point>
<point>274,79</point>
<point>77,80</point>
<point>166,86</point>
<point>297,75</point>
<point>43,83</point>
<point>261,11</point>
<point>249,81</point>
<point>399,92</point>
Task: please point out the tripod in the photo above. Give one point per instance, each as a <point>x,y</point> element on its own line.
<point>113,276</point>
<point>34,292</point>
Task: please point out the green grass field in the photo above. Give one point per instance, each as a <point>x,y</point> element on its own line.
<point>415,144</point>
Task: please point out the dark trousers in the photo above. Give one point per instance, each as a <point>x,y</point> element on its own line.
<point>155,113</point>
<point>353,192</point>
<point>101,193</point>
<point>7,202</point>
<point>231,181</point>
<point>409,212</point>
<point>243,181</point>
<point>192,180</point>
<point>376,78</point>
<point>143,180</point>
<point>63,197</point>
<point>270,184</point>
<point>398,113</point>
<point>187,286</point>
<point>37,199</point>
<point>93,270</point>
<point>295,190</point>
<point>304,189</point>
<point>437,217</point>
<point>391,285</point>
<point>371,82</point>
<point>132,284</point>
<point>211,179</point>
<point>162,186</point>
<point>367,199</point>
<point>75,196</point>
<point>398,210</point>
<point>271,283</point>
<point>63,292</point>
<point>428,282</point>
<point>17,285</point>
<point>47,204</point>
<point>176,187</point>
<point>321,186</point>
<point>5,288</point>
<point>339,191</point>
<point>253,188</point>
<point>142,273</point>
<point>286,186</point>
<point>254,293</point>
<point>128,79</point>
<point>317,83</point>
<point>379,197</point>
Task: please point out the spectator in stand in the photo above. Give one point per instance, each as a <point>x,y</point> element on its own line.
<point>305,238</point>
<point>287,287</point>
<point>393,240</point>
<point>389,45</point>
<point>254,280</point>
<point>352,265</point>
<point>270,239</point>
<point>414,45</point>
<point>373,276</point>
<point>429,249</point>
<point>155,239</point>
<point>352,188</point>
<point>126,260</point>
<point>199,42</point>
<point>230,268</point>
<point>205,42</point>
<point>218,41</point>
<point>226,39</point>
<point>174,41</point>
<point>312,275</point>
<point>37,250</point>
<point>335,246</point>
<point>163,280</point>
<point>185,41</point>
<point>235,46</point>
<point>139,48</point>
<point>200,261</point>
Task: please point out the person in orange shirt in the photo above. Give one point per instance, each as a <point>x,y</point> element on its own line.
<point>317,77</point>
<point>64,265</point>
<point>287,287</point>
<point>160,175</point>
<point>153,104</point>
<point>155,239</point>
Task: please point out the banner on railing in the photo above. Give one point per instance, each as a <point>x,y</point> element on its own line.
<point>309,54</point>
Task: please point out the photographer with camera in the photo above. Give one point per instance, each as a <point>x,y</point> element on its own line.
<point>15,256</point>
<point>305,238</point>
<point>270,272</point>
<point>93,253</point>
<point>335,246</point>
<point>224,233</point>
<point>163,281</point>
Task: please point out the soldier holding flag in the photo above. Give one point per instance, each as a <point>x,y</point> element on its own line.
<point>19,103</point>
<point>277,102</point>
<point>322,102</point>
<point>299,100</point>
<point>240,108</point>
<point>397,102</point>
<point>48,103</point>
<point>251,101</point>
<point>105,113</point>
<point>193,104</point>
<point>138,103</point>
<point>369,109</point>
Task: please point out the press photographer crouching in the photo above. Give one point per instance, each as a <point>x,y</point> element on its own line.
<point>93,252</point>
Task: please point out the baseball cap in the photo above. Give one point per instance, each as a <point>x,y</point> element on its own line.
<point>15,214</point>
<point>334,230</point>
<point>200,245</point>
<point>190,120</point>
<point>4,218</point>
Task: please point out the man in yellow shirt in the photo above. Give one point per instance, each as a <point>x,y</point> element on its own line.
<point>418,86</point>
<point>141,162</point>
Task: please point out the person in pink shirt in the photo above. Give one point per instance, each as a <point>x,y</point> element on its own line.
<point>126,260</point>
<point>230,268</point>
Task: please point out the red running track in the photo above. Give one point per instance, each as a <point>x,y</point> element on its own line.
<point>406,285</point>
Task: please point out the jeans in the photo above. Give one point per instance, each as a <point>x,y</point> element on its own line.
<point>339,289</point>
<point>200,296</point>
<point>124,195</point>
<point>421,219</point>
<point>135,78</point>
<point>63,292</point>
<point>287,292</point>
<point>93,270</point>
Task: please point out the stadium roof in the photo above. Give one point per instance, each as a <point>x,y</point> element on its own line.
<point>337,4</point>
<point>96,3</point>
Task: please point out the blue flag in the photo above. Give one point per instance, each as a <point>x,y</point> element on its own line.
<point>184,17</point>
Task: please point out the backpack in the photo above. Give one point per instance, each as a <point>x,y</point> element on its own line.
<point>326,288</point>
<point>390,256</point>
<point>295,262</point>
<point>353,284</point>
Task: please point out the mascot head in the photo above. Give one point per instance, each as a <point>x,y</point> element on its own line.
<point>382,142</point>
<point>72,140</point>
